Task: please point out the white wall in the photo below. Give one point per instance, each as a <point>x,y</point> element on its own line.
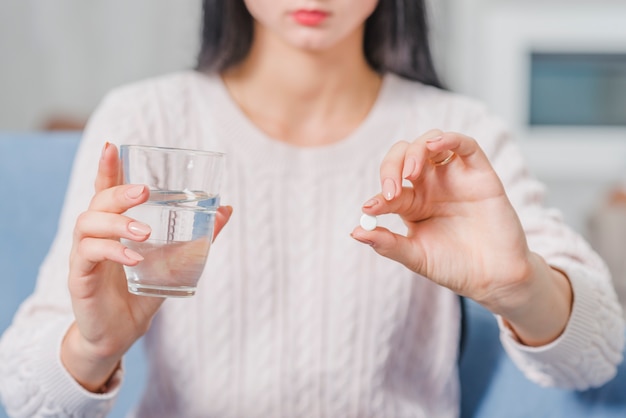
<point>63,55</point>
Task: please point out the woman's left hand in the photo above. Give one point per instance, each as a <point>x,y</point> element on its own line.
<point>463,233</point>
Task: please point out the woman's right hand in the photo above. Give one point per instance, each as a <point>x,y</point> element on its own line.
<point>108,319</point>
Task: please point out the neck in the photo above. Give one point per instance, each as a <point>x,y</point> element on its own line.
<point>304,97</point>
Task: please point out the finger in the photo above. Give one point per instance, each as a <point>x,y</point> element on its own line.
<point>393,246</point>
<point>108,168</point>
<point>417,154</point>
<point>110,225</point>
<point>119,199</point>
<point>408,204</point>
<point>91,251</point>
<point>221,218</point>
<point>465,147</point>
<point>391,170</point>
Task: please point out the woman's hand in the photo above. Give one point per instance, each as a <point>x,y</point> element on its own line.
<point>109,319</point>
<point>464,234</point>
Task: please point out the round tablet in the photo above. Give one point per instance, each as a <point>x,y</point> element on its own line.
<point>368,222</point>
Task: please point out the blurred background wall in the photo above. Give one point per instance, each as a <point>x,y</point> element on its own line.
<point>60,57</point>
<point>560,62</point>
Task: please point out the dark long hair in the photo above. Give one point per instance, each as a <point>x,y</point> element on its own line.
<point>396,38</point>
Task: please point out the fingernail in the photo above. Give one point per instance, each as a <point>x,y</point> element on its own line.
<point>139,228</point>
<point>364,241</point>
<point>133,255</point>
<point>409,167</point>
<point>104,149</point>
<point>370,203</point>
<point>435,139</point>
<point>389,189</point>
<point>135,191</point>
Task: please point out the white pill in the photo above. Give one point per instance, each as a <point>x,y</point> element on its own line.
<point>368,222</point>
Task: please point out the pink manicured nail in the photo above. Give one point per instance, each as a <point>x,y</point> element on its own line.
<point>409,167</point>
<point>370,203</point>
<point>364,241</point>
<point>133,255</point>
<point>135,191</point>
<point>389,189</point>
<point>104,149</point>
<point>139,228</point>
<point>435,139</point>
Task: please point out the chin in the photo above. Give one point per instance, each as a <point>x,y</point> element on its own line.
<point>311,45</point>
<point>315,42</point>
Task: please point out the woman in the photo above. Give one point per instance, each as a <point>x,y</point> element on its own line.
<point>320,106</point>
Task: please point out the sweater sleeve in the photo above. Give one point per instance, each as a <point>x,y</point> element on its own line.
<point>590,348</point>
<point>33,380</point>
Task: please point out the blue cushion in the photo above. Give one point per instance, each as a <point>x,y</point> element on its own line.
<point>34,171</point>
<point>493,387</point>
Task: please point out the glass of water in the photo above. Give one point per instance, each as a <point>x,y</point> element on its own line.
<point>184,196</point>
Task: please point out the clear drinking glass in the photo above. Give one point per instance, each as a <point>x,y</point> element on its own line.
<point>184,196</point>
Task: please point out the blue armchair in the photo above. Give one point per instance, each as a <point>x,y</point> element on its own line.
<point>34,169</point>
<point>493,387</point>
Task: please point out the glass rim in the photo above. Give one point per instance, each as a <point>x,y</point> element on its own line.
<point>173,150</point>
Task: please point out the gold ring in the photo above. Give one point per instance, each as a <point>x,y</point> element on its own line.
<point>445,161</point>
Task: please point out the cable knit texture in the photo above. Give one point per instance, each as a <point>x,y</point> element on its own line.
<point>292,317</point>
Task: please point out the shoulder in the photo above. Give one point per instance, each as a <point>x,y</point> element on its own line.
<point>157,109</point>
<point>175,87</point>
<point>435,108</point>
<point>442,105</point>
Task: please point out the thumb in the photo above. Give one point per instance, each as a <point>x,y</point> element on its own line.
<point>221,218</point>
<point>108,168</point>
<point>391,245</point>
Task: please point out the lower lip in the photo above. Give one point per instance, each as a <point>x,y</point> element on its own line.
<point>309,17</point>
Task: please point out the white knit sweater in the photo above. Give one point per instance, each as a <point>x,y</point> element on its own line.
<point>293,318</point>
